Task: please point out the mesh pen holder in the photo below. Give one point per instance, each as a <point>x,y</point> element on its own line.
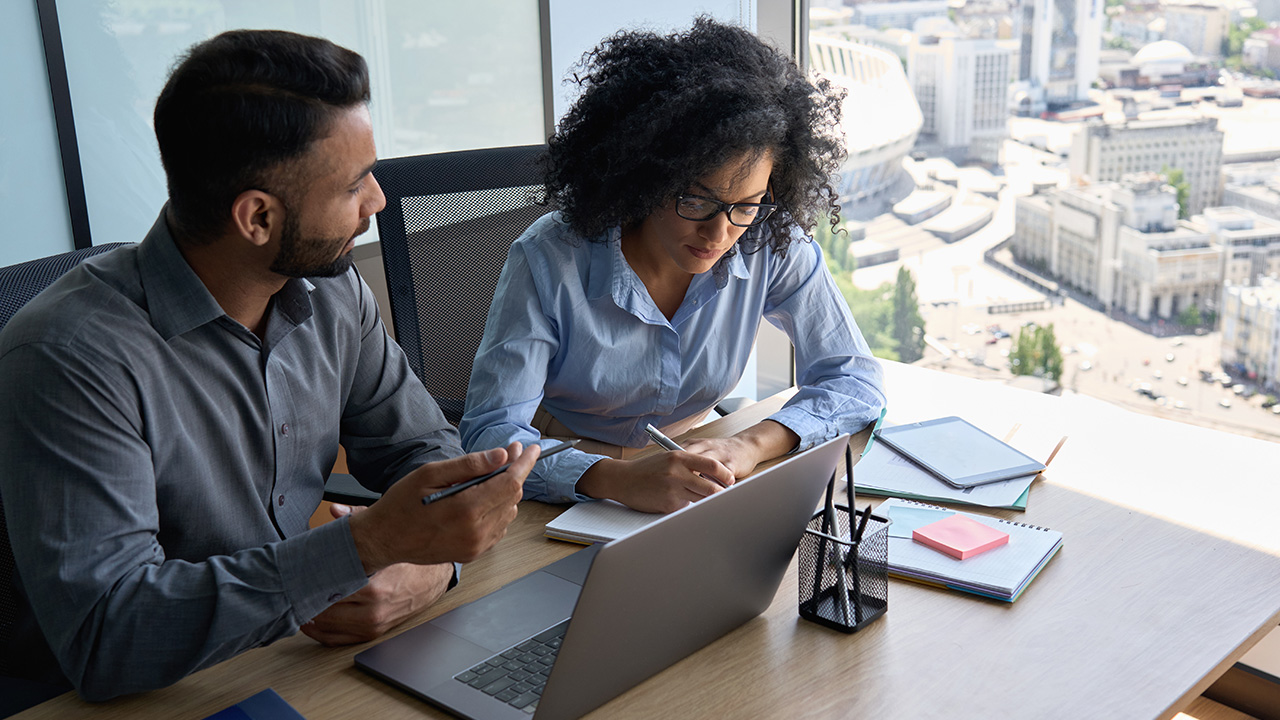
<point>844,585</point>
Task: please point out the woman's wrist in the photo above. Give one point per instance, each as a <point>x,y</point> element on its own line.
<point>595,482</point>
<point>768,439</point>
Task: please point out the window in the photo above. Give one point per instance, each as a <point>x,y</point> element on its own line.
<point>955,283</point>
<point>118,55</point>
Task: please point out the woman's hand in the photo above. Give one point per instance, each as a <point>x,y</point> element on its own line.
<point>658,483</point>
<point>741,453</point>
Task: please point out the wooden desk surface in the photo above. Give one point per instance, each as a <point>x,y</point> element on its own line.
<point>1166,576</point>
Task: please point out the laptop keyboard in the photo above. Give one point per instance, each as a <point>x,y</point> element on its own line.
<point>517,675</point>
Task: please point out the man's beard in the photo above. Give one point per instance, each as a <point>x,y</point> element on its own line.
<point>310,258</point>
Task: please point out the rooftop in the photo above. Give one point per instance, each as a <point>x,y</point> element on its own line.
<point>1163,51</point>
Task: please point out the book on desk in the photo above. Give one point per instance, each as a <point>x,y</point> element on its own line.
<point>1002,573</point>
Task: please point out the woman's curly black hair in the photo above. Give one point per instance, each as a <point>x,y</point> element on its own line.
<point>658,113</point>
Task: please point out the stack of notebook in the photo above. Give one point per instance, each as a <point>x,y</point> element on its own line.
<point>1002,573</point>
<point>949,460</point>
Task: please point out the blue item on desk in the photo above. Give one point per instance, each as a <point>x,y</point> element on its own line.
<point>266,705</point>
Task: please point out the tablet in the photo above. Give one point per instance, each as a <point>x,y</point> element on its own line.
<point>958,453</point>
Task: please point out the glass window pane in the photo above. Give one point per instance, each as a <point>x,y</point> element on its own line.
<point>446,76</point>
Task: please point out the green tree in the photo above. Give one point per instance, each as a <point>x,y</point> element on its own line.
<point>1237,34</point>
<point>1036,352</point>
<point>1190,316</point>
<point>1176,178</point>
<point>908,325</point>
<point>1050,355</point>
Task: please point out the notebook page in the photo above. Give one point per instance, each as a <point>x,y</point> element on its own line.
<point>598,521</point>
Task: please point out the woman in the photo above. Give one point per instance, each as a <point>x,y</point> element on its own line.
<point>687,174</point>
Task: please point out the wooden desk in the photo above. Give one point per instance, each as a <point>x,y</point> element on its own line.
<point>1170,570</point>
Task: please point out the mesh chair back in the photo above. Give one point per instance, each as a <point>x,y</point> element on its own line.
<point>449,221</point>
<point>18,284</point>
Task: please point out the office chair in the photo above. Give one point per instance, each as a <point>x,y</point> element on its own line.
<point>18,284</point>
<point>449,221</point>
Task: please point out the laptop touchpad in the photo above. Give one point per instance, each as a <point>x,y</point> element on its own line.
<point>527,606</point>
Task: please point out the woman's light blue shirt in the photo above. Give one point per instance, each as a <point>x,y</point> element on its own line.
<point>573,329</point>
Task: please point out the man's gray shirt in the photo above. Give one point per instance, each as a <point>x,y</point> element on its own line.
<point>160,463</point>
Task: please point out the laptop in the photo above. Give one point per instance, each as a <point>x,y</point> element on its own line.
<point>602,620</point>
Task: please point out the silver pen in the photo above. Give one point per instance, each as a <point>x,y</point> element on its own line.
<point>670,445</point>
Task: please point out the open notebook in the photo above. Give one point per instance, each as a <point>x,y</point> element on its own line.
<point>1002,573</point>
<point>597,522</point>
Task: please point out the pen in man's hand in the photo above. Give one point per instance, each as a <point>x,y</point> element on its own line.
<point>455,489</point>
<point>670,445</point>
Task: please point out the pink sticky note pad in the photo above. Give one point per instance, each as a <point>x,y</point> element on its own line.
<point>960,537</point>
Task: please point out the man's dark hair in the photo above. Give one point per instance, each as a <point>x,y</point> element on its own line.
<point>238,108</point>
<point>658,113</point>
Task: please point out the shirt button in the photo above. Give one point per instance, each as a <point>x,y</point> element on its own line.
<point>280,501</point>
<point>284,429</point>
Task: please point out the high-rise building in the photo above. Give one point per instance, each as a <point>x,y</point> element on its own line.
<point>1061,42</point>
<point>1104,152</point>
<point>962,86</point>
<point>1251,330</point>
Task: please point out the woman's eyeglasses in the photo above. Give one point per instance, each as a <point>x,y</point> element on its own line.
<point>700,209</point>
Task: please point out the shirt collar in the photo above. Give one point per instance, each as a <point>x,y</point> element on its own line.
<point>178,300</point>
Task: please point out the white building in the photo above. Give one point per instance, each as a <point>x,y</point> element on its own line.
<point>1061,40</point>
<point>895,40</point>
<point>1251,330</point>
<point>1167,268</point>
<point>987,19</point>
<point>1139,26</point>
<point>900,14</point>
<point>1121,243</point>
<point>1250,243</point>
<point>1262,49</point>
<point>1253,186</point>
<point>961,85</point>
<point>1200,26</point>
<point>1104,152</point>
<point>881,117</point>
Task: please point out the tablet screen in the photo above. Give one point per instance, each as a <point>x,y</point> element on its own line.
<point>958,452</point>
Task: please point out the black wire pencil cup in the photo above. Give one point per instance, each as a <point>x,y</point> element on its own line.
<point>844,563</point>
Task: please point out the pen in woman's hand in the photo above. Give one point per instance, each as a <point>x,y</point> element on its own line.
<point>670,445</point>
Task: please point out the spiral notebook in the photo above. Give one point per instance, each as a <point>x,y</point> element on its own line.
<point>1003,573</point>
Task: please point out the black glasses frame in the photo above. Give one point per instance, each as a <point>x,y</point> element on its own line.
<point>765,210</point>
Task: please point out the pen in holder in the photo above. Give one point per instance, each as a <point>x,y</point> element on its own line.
<point>844,564</point>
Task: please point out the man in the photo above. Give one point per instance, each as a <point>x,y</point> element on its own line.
<point>169,411</point>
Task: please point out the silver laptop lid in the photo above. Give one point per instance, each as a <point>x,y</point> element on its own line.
<point>665,591</point>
